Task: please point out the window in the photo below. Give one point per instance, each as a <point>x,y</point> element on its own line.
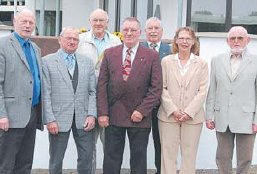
<point>118,10</point>
<point>6,18</point>
<point>208,15</point>
<point>11,2</point>
<point>245,14</point>
<point>221,15</point>
<point>49,22</point>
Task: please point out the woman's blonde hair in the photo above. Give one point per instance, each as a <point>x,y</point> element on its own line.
<point>195,46</point>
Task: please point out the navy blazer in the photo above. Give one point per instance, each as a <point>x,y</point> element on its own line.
<point>117,98</point>
<point>164,50</point>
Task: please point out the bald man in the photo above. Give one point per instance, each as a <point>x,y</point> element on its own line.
<point>92,44</point>
<point>20,96</point>
<point>231,102</point>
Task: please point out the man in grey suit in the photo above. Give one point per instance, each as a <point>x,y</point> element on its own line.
<point>20,96</point>
<point>154,31</point>
<point>231,102</point>
<point>69,102</point>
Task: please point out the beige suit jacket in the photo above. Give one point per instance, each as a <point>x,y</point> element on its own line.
<point>186,93</point>
<point>233,101</point>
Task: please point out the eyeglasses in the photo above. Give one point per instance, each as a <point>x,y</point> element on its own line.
<point>239,39</point>
<point>182,39</point>
<point>100,20</point>
<point>132,30</point>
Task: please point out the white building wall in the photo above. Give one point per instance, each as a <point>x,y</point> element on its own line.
<point>169,13</point>
<point>76,13</point>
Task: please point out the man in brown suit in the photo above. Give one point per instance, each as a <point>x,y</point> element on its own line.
<point>129,87</point>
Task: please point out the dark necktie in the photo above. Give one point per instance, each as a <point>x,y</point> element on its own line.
<point>153,46</point>
<point>126,68</point>
<point>29,57</point>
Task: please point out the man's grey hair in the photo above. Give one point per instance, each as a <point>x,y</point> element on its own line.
<point>68,28</point>
<point>153,19</point>
<point>99,10</point>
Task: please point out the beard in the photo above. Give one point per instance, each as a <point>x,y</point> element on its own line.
<point>237,51</point>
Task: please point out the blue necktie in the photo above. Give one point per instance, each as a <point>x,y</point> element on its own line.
<point>36,80</point>
<point>70,64</point>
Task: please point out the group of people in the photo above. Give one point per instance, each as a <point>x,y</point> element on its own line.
<point>94,85</point>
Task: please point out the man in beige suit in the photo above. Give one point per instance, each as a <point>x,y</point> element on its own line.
<point>231,102</point>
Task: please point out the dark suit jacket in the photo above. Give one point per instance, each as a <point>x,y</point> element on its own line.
<point>117,98</point>
<point>164,50</point>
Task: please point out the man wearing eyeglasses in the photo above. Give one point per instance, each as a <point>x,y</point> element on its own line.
<point>92,44</point>
<point>231,102</point>
<point>129,87</point>
<point>154,31</point>
<point>69,102</point>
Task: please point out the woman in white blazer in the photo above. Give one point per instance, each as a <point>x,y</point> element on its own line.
<point>181,114</point>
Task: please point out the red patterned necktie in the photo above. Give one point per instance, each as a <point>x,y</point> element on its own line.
<point>126,67</point>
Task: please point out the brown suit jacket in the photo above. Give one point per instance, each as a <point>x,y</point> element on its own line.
<point>117,98</point>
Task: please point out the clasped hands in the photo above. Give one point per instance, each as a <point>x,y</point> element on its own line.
<point>181,116</point>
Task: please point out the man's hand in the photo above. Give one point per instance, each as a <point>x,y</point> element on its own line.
<point>210,124</point>
<point>103,121</point>
<point>89,123</point>
<point>53,128</point>
<point>136,116</point>
<point>254,127</point>
<point>4,124</point>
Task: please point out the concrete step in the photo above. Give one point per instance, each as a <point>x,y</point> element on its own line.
<point>127,171</point>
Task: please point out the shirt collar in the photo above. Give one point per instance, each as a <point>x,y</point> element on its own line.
<point>134,49</point>
<point>20,39</point>
<point>65,54</point>
<point>158,44</point>
<point>192,57</point>
<point>105,38</point>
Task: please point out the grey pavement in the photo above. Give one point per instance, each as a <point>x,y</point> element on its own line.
<point>150,171</point>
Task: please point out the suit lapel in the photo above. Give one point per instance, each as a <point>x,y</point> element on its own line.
<point>226,63</point>
<point>137,63</point>
<point>175,70</point>
<point>63,69</point>
<point>191,71</point>
<point>39,60</point>
<point>19,50</point>
<point>243,65</point>
<point>81,69</point>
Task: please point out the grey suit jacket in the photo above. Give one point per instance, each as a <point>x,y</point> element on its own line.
<point>16,83</point>
<point>164,50</point>
<point>59,100</point>
<point>232,101</point>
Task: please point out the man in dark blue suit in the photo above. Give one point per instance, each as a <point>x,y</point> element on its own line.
<point>154,31</point>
